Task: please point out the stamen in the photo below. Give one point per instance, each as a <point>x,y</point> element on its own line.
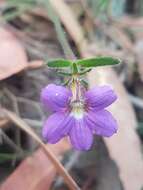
<point>77,109</point>
<point>76,89</point>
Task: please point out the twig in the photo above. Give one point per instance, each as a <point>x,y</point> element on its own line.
<point>61,170</point>
<point>68,167</point>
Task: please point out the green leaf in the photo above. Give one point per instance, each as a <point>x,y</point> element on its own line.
<point>85,71</point>
<point>85,83</point>
<point>64,73</point>
<point>66,82</point>
<point>11,156</point>
<point>6,157</point>
<point>98,61</point>
<point>59,63</point>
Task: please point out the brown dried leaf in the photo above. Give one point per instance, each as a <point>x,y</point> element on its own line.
<point>59,167</point>
<point>13,58</point>
<point>124,147</point>
<point>12,55</point>
<point>36,172</point>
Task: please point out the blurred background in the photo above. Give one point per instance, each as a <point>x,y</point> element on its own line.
<point>32,31</point>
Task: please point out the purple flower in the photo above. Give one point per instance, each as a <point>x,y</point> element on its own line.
<point>79,118</point>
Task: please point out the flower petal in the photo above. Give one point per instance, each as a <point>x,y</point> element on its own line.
<point>102,122</point>
<point>81,136</point>
<point>57,126</point>
<point>100,97</point>
<point>55,97</point>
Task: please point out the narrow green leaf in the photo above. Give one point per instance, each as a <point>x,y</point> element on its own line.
<point>64,73</point>
<point>66,82</point>
<point>85,83</point>
<point>97,61</point>
<point>10,156</point>
<point>7,156</point>
<point>85,71</point>
<point>57,63</point>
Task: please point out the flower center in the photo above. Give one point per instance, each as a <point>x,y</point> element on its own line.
<point>77,109</point>
<point>77,105</point>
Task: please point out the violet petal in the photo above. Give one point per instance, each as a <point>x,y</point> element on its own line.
<point>99,98</point>
<point>102,123</point>
<point>57,126</point>
<point>81,136</point>
<point>55,97</point>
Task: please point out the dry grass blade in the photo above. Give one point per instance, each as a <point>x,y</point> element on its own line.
<point>3,121</point>
<point>36,64</point>
<point>63,12</point>
<point>20,123</point>
<point>119,36</point>
<point>132,22</point>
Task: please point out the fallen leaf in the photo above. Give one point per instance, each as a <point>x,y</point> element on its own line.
<point>36,172</point>
<point>59,167</point>
<point>124,147</point>
<point>13,58</point>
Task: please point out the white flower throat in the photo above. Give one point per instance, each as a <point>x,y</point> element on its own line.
<point>77,109</point>
<point>77,103</point>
